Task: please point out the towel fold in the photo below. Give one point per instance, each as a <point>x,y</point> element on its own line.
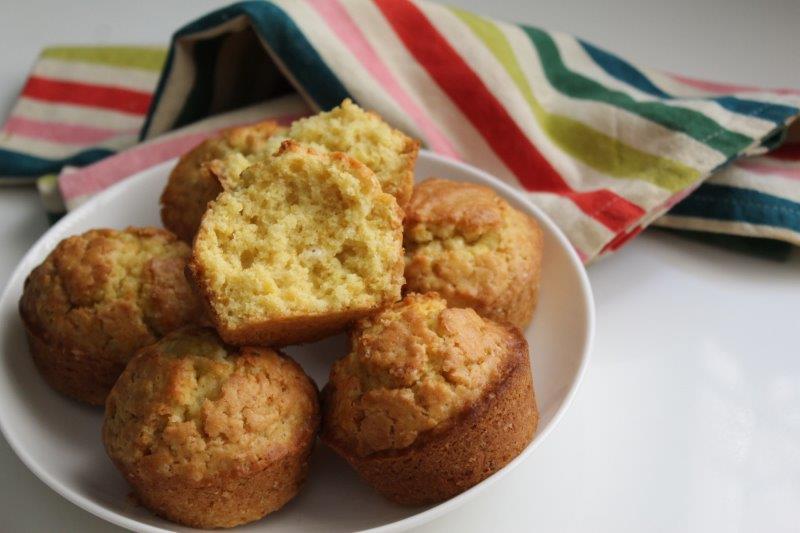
<point>604,147</point>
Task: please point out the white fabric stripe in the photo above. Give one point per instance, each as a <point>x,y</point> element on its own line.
<point>774,184</point>
<point>725,226</point>
<point>178,85</point>
<point>577,59</point>
<point>586,234</point>
<point>96,74</point>
<point>52,150</point>
<point>75,115</point>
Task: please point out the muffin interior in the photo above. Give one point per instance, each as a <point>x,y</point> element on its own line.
<point>366,137</point>
<point>201,174</point>
<point>413,367</point>
<point>305,233</point>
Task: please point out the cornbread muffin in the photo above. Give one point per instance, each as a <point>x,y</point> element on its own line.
<point>208,435</point>
<point>430,400</point>
<point>308,244</point>
<point>363,135</point>
<point>196,178</point>
<point>99,297</point>
<point>217,164</point>
<point>466,243</point>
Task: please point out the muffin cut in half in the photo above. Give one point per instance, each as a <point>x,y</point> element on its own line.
<point>209,435</point>
<point>307,244</point>
<point>199,175</point>
<point>363,135</point>
<point>430,400</point>
<point>99,297</point>
<point>466,243</point>
<point>217,164</point>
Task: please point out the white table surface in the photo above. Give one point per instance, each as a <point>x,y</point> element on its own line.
<point>689,416</point>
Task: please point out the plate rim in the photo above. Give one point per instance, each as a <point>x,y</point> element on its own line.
<point>420,518</point>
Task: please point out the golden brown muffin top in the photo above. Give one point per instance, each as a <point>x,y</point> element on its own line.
<point>199,172</point>
<point>412,369</point>
<point>189,407</point>
<point>467,243</point>
<point>110,292</point>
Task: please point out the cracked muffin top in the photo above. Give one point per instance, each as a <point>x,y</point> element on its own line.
<point>189,407</point>
<point>412,369</point>
<point>110,292</point>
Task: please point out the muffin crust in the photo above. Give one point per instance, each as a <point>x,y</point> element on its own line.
<point>466,243</point>
<point>208,435</point>
<point>100,296</point>
<point>430,400</point>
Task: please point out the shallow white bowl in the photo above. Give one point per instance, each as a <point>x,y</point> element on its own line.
<point>59,440</point>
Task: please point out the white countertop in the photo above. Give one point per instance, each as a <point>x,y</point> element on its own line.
<point>689,416</point>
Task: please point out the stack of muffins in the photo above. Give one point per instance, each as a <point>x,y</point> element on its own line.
<point>282,236</point>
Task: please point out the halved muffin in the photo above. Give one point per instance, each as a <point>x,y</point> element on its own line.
<point>430,400</point>
<point>363,135</point>
<point>209,435</point>
<point>217,164</point>
<point>195,180</point>
<point>468,244</point>
<point>305,245</point>
<point>99,297</point>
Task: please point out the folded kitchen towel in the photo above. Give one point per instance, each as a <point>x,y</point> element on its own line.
<point>603,146</point>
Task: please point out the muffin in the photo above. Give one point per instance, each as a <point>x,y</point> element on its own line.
<point>217,164</point>
<point>430,400</point>
<point>466,243</point>
<point>363,135</point>
<point>209,435</point>
<point>99,297</point>
<point>306,245</point>
<point>195,180</point>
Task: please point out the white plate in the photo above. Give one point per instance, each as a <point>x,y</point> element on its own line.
<point>59,440</point>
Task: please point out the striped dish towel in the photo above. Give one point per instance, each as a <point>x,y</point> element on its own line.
<point>603,146</point>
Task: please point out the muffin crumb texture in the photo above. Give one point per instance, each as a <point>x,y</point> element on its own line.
<point>364,136</point>
<point>203,172</point>
<point>307,234</point>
